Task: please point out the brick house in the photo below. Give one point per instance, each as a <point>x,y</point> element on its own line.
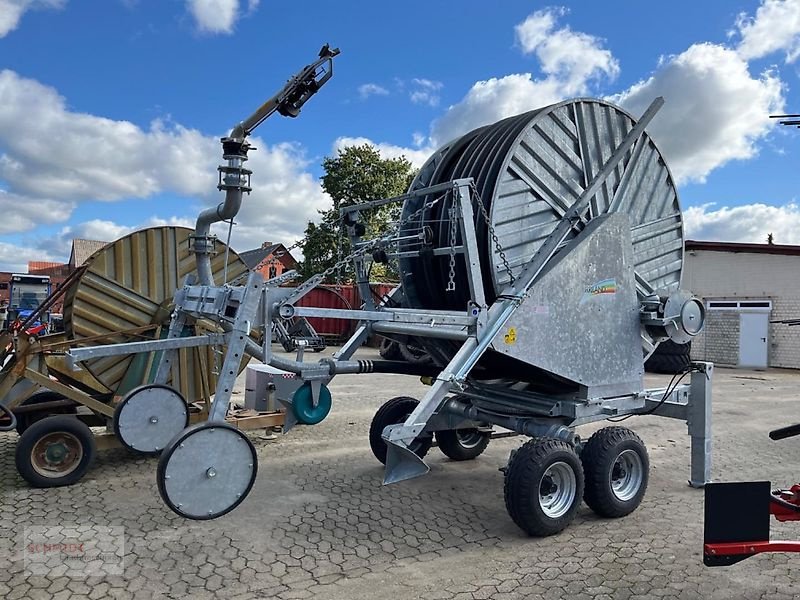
<point>745,287</point>
<point>270,260</point>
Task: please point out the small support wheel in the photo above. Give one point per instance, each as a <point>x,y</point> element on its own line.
<point>616,467</point>
<point>394,412</point>
<point>303,404</point>
<point>543,486</point>
<point>27,419</point>
<point>149,416</point>
<point>463,444</point>
<point>55,451</point>
<point>207,471</point>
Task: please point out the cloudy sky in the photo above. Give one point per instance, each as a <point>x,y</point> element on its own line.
<point>110,112</point>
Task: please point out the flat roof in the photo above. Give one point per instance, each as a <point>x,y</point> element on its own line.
<point>785,249</point>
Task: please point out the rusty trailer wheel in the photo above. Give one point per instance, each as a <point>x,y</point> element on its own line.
<point>55,451</point>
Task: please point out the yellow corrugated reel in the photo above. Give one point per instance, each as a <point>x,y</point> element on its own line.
<point>125,294</point>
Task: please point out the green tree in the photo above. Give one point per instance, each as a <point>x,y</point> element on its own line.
<point>356,174</point>
<point>770,239</point>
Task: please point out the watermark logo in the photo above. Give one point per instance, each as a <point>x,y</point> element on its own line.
<point>606,286</point>
<point>74,551</point>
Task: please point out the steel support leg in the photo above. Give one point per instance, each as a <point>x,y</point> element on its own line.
<point>401,462</point>
<point>237,342</point>
<point>699,422</point>
<point>168,356</point>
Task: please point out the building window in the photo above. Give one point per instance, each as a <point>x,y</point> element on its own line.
<point>273,272</point>
<point>740,305</point>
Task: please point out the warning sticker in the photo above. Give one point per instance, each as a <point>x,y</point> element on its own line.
<point>511,336</point>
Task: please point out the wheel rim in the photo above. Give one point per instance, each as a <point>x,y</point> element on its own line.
<point>626,475</point>
<point>303,405</point>
<point>469,438</point>
<point>557,490</point>
<point>56,454</point>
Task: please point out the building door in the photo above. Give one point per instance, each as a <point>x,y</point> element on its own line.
<point>753,331</point>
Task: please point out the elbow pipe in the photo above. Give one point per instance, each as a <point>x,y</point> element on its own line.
<point>224,211</point>
<point>235,180</point>
<point>255,350</point>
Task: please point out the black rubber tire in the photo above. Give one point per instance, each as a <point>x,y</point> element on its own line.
<point>523,478</point>
<point>393,412</point>
<point>670,347</point>
<point>452,446</point>
<point>25,420</point>
<point>598,456</point>
<point>390,349</point>
<point>49,425</point>
<point>667,364</point>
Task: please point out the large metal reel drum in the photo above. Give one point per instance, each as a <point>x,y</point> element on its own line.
<point>528,170</point>
<point>126,289</point>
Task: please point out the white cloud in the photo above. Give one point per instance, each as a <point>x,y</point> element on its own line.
<point>494,99</point>
<point>52,159</point>
<point>217,16</point>
<point>573,57</point>
<point>285,197</point>
<point>748,223</point>
<point>715,111</point>
<point>371,89</point>
<point>14,259</point>
<point>572,63</point>
<point>48,151</point>
<point>416,157</point>
<point>535,28</point>
<point>425,91</point>
<point>96,229</point>
<point>21,213</point>
<point>775,26</point>
<point>11,12</point>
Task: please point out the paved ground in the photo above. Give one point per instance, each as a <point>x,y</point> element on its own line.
<point>319,524</point>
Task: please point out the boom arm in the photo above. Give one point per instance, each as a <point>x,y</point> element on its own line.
<point>234,178</point>
<point>294,94</point>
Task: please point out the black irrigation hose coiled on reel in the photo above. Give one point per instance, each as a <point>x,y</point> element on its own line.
<point>527,169</point>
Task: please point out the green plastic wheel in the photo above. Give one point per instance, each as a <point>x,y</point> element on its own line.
<point>303,407</point>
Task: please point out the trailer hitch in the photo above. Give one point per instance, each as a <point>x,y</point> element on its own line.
<point>737,516</point>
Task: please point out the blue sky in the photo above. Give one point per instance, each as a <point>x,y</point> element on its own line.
<point>110,111</point>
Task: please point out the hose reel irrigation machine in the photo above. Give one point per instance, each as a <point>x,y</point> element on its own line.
<point>540,260</point>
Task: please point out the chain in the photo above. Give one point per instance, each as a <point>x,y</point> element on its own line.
<point>451,283</point>
<point>498,248</point>
<point>339,255</point>
<point>361,251</point>
<point>277,255</point>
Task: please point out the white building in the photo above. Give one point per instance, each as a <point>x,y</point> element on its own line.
<point>744,287</point>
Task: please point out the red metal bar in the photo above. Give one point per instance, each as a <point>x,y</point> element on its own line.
<point>739,548</point>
